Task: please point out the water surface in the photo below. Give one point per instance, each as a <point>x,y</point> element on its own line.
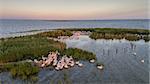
<point>9,28</point>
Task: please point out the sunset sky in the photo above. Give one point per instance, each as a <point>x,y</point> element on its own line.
<point>73,9</point>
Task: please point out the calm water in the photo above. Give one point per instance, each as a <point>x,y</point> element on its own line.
<point>9,28</point>
<point>121,66</point>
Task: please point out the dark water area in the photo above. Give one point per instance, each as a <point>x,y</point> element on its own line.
<point>121,66</point>
<point>9,28</point>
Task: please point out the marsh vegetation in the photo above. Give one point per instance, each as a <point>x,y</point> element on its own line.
<point>27,47</point>
<point>118,33</point>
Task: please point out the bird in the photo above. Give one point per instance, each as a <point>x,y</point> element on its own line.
<point>44,58</point>
<point>134,53</point>
<point>66,66</point>
<point>100,67</point>
<point>142,61</point>
<point>92,61</point>
<point>57,68</point>
<point>80,64</point>
<point>77,62</point>
<point>35,60</point>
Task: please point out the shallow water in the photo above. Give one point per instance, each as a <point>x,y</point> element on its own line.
<point>120,65</point>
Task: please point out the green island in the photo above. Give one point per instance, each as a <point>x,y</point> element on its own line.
<point>14,50</point>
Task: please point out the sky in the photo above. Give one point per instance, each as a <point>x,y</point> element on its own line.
<point>73,9</point>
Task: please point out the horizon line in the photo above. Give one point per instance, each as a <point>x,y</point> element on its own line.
<point>75,19</point>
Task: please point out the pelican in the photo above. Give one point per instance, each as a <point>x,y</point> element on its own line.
<point>43,65</point>
<point>77,62</point>
<point>134,53</point>
<point>54,62</point>
<point>80,64</point>
<point>72,64</point>
<point>100,67</point>
<point>142,61</point>
<point>66,66</point>
<point>35,60</point>
<point>92,61</point>
<point>44,58</point>
<point>57,68</point>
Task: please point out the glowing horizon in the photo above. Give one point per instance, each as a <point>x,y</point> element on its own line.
<point>74,9</point>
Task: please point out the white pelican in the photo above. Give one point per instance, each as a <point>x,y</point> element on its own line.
<point>66,66</point>
<point>57,68</point>
<point>134,53</point>
<point>54,62</point>
<point>80,64</point>
<point>43,65</point>
<point>35,60</point>
<point>100,67</point>
<point>92,61</point>
<point>77,62</point>
<point>72,64</point>
<point>142,61</point>
<point>44,58</point>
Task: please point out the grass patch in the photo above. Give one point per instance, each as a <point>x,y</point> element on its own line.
<point>79,54</point>
<point>27,47</point>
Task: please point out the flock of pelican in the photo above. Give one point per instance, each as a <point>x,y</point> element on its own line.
<point>64,62</point>
<point>52,59</point>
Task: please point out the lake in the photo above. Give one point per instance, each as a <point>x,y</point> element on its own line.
<point>121,66</point>
<point>10,28</point>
